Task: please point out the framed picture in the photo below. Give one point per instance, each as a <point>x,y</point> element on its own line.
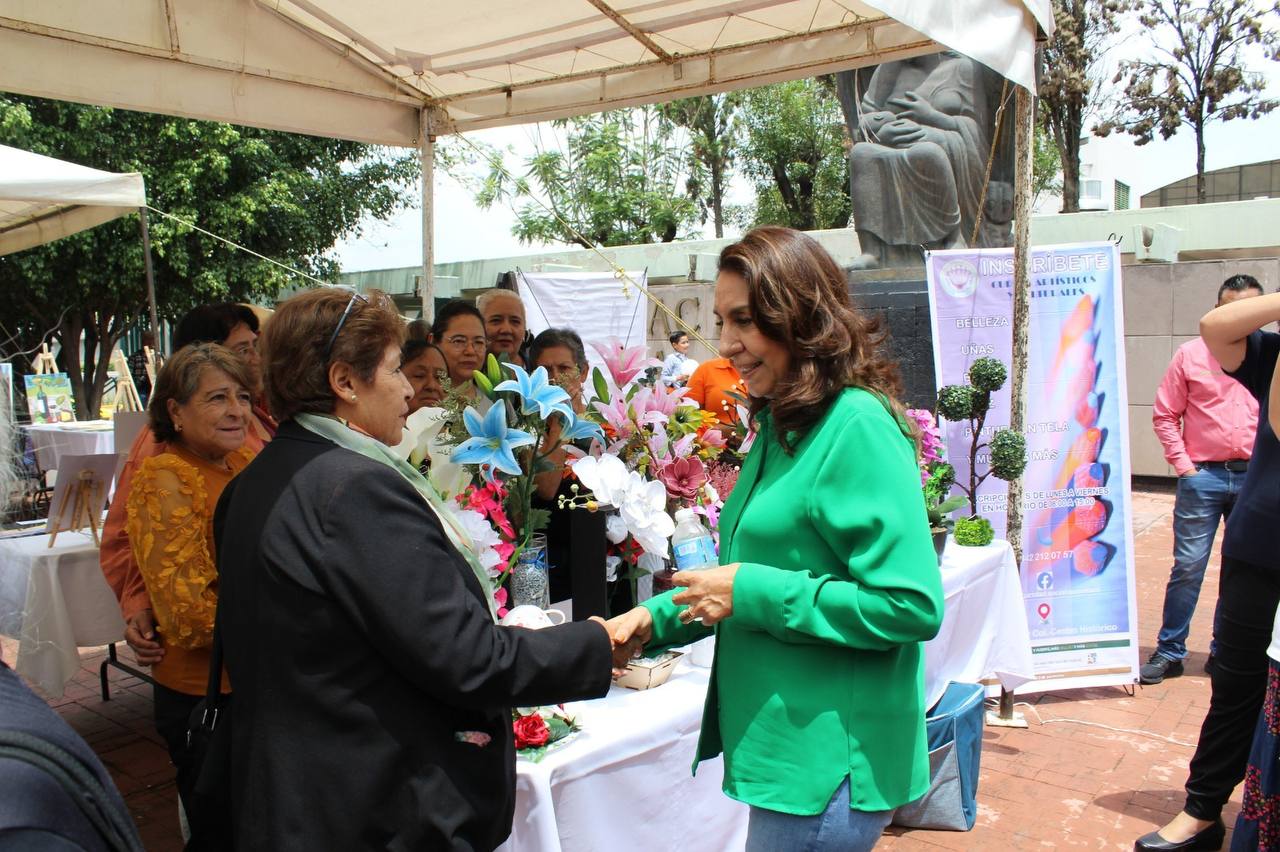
<point>49,398</point>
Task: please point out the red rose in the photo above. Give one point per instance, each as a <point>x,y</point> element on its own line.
<point>531,731</point>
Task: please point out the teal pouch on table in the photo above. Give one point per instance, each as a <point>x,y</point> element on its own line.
<point>954,729</point>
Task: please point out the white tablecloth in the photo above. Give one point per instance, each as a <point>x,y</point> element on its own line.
<point>53,600</point>
<point>984,631</point>
<point>52,442</point>
<point>623,783</point>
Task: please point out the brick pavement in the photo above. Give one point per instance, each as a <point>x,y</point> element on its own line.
<point>1057,784</point>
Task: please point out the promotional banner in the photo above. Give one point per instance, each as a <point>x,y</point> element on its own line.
<point>1077,567</point>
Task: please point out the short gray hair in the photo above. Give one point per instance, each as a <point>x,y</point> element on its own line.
<point>488,297</point>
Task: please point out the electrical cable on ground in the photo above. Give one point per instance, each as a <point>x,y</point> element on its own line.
<point>1043,721</point>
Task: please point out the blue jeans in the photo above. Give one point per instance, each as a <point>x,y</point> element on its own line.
<point>1203,499</point>
<point>836,828</point>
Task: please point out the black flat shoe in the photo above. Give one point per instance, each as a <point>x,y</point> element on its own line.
<point>1208,838</point>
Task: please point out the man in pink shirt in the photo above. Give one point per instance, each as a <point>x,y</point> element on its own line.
<point>1206,422</point>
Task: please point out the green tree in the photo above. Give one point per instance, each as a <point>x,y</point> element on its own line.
<point>795,150</point>
<point>616,181</point>
<point>285,196</point>
<point>1070,82</point>
<point>1046,165</point>
<point>712,122</point>
<point>1198,75</point>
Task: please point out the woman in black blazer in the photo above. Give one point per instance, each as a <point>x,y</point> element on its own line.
<point>372,686</point>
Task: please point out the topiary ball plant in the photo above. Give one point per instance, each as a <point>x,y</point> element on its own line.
<point>987,375</point>
<point>974,532</point>
<point>1007,449</point>
<point>955,402</point>
<point>1008,454</point>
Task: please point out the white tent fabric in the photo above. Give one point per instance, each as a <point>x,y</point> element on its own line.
<point>372,71</point>
<point>43,199</point>
<point>555,300</point>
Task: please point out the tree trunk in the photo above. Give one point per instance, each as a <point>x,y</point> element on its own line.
<point>1070,153</point>
<point>69,332</point>
<point>717,196</point>
<point>1202,193</point>
<point>785,189</point>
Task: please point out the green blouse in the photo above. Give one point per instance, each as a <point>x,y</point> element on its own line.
<point>819,672</point>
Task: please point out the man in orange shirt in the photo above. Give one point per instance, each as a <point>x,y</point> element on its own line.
<point>710,386</point>
<point>235,327</point>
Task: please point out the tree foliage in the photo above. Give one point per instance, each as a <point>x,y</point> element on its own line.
<point>713,126</point>
<point>1046,165</point>
<point>617,180</point>
<point>1071,81</point>
<point>795,150</point>
<point>1198,75</point>
<point>285,196</point>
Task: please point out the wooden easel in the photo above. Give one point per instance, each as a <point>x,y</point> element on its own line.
<point>87,492</point>
<point>127,398</point>
<point>44,362</point>
<point>153,364</point>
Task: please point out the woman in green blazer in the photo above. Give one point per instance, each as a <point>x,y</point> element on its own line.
<point>828,583</point>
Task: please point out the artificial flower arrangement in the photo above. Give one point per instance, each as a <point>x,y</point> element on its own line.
<point>483,463</point>
<point>656,460</point>
<point>537,729</point>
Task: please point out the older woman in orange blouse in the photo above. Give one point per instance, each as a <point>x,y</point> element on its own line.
<point>199,410</point>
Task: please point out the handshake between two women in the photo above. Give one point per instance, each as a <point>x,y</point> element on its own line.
<point>707,598</point>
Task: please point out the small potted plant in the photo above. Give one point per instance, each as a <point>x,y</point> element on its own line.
<point>936,478</point>
<point>1007,449</point>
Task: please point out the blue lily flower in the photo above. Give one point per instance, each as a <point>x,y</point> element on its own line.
<point>536,392</point>
<point>577,428</point>
<point>491,442</point>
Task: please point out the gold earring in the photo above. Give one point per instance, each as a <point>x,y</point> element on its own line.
<point>353,397</point>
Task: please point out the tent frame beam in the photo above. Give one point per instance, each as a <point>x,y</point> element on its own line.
<point>633,31</point>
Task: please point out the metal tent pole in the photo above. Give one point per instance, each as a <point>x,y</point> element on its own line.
<point>151,280</point>
<point>426,153</point>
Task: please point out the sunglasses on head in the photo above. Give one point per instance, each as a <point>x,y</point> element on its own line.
<point>333,338</point>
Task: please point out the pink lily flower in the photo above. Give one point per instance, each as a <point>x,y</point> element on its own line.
<point>658,446</point>
<point>684,446</point>
<point>624,364</point>
<point>666,399</point>
<point>714,438</point>
<point>617,414</point>
<point>648,409</point>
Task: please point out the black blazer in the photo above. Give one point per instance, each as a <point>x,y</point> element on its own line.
<point>360,649</point>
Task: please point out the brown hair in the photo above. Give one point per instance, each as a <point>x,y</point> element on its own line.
<point>180,377</point>
<point>799,297</point>
<point>299,345</point>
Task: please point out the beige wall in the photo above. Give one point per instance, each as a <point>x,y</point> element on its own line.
<point>1163,303</point>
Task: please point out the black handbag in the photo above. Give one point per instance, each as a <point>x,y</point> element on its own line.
<point>208,754</point>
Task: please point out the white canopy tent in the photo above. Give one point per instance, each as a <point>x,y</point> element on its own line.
<point>43,199</point>
<point>400,72</point>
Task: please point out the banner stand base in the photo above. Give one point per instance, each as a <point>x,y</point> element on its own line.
<point>995,720</point>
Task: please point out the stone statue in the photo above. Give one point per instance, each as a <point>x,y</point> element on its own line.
<point>916,167</point>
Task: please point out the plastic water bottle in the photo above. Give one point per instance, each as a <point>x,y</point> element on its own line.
<point>692,544</point>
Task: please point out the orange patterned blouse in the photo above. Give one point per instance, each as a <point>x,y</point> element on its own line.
<point>170,528</point>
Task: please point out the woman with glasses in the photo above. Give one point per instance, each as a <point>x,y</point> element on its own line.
<point>373,685</point>
<point>459,332</point>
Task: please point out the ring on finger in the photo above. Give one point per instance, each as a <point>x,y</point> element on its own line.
<point>686,615</point>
